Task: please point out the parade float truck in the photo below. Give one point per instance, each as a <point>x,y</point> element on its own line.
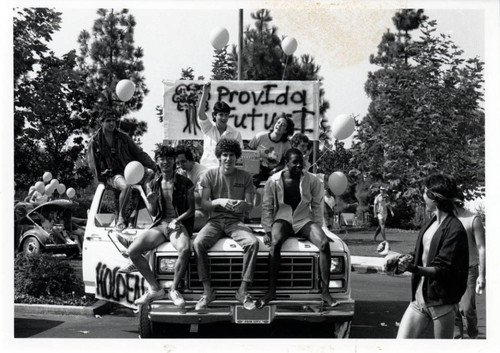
<point>298,290</point>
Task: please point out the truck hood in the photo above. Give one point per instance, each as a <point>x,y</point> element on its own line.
<point>292,244</point>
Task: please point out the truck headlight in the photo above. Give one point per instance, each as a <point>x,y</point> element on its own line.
<point>166,265</point>
<point>336,264</point>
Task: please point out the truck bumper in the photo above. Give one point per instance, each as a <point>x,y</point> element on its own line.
<point>226,310</point>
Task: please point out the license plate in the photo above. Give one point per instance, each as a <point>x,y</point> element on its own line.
<point>257,316</point>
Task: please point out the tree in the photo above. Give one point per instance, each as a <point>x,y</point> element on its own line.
<point>47,104</point>
<point>425,114</point>
<point>222,67</point>
<point>108,56</point>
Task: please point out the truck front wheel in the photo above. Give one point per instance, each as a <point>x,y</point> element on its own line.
<point>342,329</point>
<point>147,328</point>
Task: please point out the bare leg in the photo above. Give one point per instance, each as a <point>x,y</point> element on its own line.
<point>412,324</point>
<point>180,241</point>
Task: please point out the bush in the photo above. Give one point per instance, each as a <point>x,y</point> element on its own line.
<point>41,275</point>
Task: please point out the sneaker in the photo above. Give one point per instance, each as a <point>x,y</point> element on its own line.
<point>205,300</point>
<point>176,297</point>
<point>246,300</point>
<point>150,296</point>
<point>128,268</point>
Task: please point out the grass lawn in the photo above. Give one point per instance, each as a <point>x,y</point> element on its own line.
<point>361,243</point>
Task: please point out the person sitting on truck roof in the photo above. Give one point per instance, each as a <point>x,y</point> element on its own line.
<point>171,202</point>
<point>272,145</point>
<point>110,150</point>
<point>187,166</point>
<point>213,133</point>
<point>227,195</point>
<point>292,206</point>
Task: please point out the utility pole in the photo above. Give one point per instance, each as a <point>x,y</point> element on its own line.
<point>240,44</point>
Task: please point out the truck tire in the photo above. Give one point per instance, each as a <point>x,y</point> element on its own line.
<point>31,246</point>
<point>147,328</point>
<point>342,329</point>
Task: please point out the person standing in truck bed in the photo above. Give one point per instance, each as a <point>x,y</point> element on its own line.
<point>292,206</point>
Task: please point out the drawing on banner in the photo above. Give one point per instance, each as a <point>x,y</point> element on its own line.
<point>255,106</point>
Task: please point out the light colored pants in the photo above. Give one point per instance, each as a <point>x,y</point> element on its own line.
<point>467,315</point>
<point>217,228</point>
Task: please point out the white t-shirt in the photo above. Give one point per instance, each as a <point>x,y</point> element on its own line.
<point>211,136</point>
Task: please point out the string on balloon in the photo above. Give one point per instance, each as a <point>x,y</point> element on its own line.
<point>284,71</point>
<point>317,160</point>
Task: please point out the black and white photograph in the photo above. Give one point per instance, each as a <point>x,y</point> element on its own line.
<point>295,176</point>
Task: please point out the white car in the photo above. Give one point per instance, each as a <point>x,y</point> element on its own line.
<point>298,292</point>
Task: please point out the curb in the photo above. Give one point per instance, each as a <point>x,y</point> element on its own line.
<point>99,308</point>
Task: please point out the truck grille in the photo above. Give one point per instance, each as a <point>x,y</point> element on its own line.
<point>225,273</point>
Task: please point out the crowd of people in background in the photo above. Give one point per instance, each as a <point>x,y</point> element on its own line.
<point>213,196</point>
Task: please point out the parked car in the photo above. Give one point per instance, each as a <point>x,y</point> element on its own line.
<point>35,231</point>
<point>299,291</point>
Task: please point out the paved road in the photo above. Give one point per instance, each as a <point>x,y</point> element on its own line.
<point>380,303</point>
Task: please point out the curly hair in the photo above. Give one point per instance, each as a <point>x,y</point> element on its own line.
<point>443,189</point>
<point>292,151</point>
<point>186,151</point>
<point>298,138</point>
<point>220,107</point>
<point>290,127</point>
<point>164,151</point>
<point>228,145</point>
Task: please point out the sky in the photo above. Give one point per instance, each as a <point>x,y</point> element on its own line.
<point>339,35</point>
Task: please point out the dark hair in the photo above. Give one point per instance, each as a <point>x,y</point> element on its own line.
<point>106,114</point>
<point>220,107</point>
<point>290,127</point>
<point>228,145</point>
<point>186,151</point>
<point>164,151</point>
<point>443,189</point>
<point>298,138</point>
<point>291,151</point>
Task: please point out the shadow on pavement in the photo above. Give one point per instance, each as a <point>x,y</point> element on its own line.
<point>24,328</point>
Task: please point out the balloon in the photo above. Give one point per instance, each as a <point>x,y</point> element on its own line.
<point>40,187</point>
<point>47,176</point>
<point>289,45</point>
<point>32,188</point>
<point>125,90</point>
<point>342,126</point>
<point>134,172</point>
<point>54,182</point>
<point>49,189</point>
<point>337,182</point>
<point>70,192</point>
<point>219,37</point>
<point>61,188</point>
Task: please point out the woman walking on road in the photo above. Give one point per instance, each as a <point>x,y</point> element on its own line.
<point>439,266</point>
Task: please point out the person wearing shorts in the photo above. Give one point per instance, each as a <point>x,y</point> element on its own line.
<point>292,206</point>
<point>110,150</point>
<point>439,265</point>
<point>171,202</point>
<point>227,194</point>
<point>381,205</point>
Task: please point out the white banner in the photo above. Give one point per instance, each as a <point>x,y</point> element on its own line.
<point>255,106</point>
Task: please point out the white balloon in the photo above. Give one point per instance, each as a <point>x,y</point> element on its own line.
<point>219,37</point>
<point>49,189</point>
<point>337,182</point>
<point>47,176</point>
<point>289,45</point>
<point>134,172</point>
<point>70,193</point>
<point>40,187</point>
<point>342,126</point>
<point>125,90</point>
<point>61,188</point>
<point>54,182</point>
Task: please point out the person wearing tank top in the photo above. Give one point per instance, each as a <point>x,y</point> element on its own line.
<point>439,264</point>
<point>466,319</point>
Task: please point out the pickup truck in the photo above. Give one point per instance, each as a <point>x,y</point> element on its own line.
<point>298,292</point>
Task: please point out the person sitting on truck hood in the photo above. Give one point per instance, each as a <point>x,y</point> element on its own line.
<point>110,150</point>
<point>292,206</point>
<point>171,202</point>
<point>227,195</point>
